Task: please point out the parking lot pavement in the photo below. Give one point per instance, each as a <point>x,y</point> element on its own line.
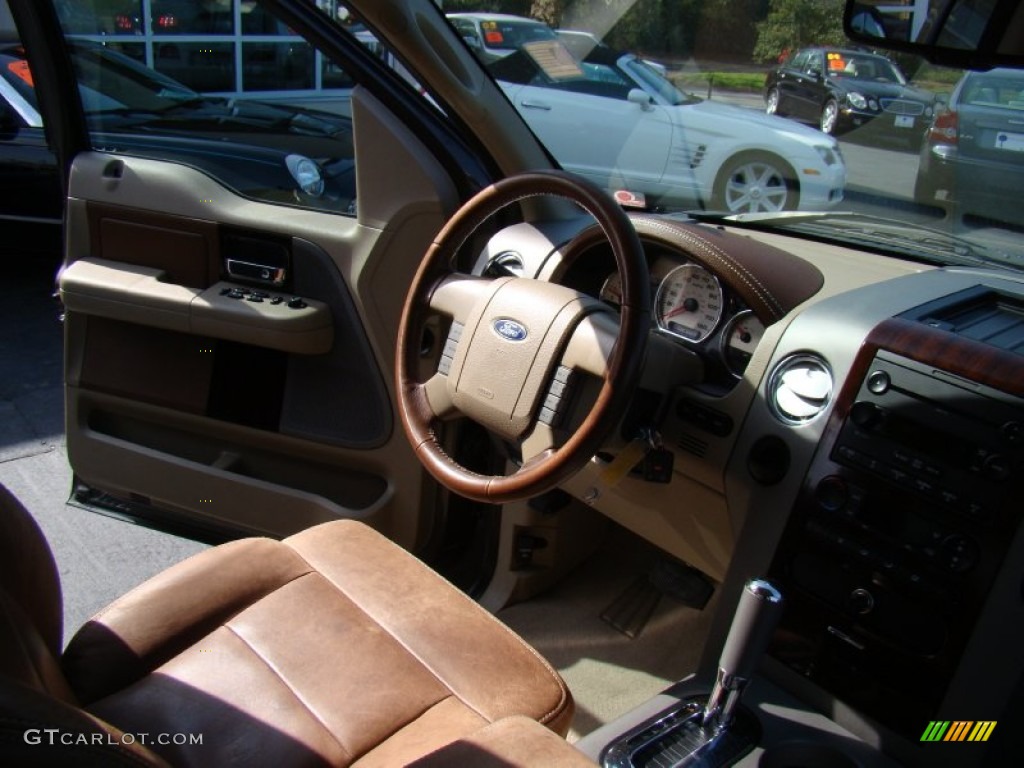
<point>98,557</point>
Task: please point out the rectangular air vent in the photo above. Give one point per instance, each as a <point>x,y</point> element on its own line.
<point>977,313</point>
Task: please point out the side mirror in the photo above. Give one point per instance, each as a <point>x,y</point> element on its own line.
<point>641,97</point>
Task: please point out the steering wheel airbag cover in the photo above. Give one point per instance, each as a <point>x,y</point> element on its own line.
<point>509,349</point>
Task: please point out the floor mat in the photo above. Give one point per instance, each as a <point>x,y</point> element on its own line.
<point>630,611</point>
<point>608,671</point>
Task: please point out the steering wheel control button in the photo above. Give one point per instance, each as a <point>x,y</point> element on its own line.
<point>444,365</point>
<point>552,410</point>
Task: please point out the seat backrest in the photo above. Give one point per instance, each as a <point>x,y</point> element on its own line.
<point>28,572</point>
<point>40,721</point>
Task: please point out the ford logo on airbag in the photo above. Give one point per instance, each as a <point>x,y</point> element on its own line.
<point>510,329</point>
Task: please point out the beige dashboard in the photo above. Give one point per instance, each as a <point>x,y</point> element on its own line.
<point>703,400</point>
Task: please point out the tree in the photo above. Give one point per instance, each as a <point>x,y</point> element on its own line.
<point>727,28</point>
<point>793,24</point>
<point>515,7</point>
<point>548,11</point>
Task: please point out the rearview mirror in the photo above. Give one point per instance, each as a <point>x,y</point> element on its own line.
<point>969,34</point>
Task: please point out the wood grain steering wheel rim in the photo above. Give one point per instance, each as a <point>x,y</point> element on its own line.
<point>620,372</point>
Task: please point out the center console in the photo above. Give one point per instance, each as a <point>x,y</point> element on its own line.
<point>896,538</point>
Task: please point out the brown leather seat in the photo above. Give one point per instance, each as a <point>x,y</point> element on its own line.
<point>332,647</point>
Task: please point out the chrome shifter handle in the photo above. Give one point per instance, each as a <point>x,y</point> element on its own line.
<point>756,617</point>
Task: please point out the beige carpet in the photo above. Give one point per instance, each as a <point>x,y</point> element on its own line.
<point>608,672</point>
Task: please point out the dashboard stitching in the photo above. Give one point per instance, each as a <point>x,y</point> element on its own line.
<point>712,252</point>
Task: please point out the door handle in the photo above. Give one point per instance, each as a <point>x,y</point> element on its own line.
<point>536,105</point>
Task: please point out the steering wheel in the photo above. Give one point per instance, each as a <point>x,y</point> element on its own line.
<point>514,342</point>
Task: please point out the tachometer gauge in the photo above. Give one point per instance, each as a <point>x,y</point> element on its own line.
<point>689,303</point>
<point>611,291</point>
<point>739,341</point>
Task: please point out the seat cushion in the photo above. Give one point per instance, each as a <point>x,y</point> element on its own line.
<point>332,647</point>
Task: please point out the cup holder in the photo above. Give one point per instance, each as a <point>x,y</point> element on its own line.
<point>805,755</point>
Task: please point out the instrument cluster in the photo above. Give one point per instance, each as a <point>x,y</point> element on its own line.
<point>692,306</point>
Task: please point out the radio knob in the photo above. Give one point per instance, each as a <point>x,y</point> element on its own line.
<point>996,467</point>
<point>832,493</point>
<point>861,601</point>
<point>866,415</point>
<point>959,553</point>
<point>879,382</point>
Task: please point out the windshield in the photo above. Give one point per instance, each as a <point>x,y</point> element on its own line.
<point>499,35</point>
<point>709,107</point>
<point>863,67</point>
<point>674,106</point>
<point>652,81</point>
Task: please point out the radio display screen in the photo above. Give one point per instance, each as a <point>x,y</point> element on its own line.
<point>926,440</point>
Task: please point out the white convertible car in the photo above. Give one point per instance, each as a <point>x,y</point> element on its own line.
<point>666,147</point>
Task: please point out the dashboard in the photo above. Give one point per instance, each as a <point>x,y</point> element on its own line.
<point>713,292</point>
<point>856,433</point>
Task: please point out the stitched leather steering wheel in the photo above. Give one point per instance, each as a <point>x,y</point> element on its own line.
<point>515,342</point>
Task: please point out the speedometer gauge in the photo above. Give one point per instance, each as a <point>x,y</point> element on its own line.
<point>740,340</point>
<point>689,303</point>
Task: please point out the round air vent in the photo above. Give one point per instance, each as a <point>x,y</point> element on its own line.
<point>799,389</point>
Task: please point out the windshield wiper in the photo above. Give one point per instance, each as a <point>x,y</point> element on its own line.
<point>904,237</point>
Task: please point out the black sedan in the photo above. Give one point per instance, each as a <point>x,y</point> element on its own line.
<point>280,153</point>
<point>843,90</point>
<point>972,160</point>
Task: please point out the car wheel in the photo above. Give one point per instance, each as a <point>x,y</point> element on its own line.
<point>829,116</point>
<point>772,103</point>
<point>755,183</point>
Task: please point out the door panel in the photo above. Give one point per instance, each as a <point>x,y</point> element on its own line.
<point>247,416</point>
<point>234,275</point>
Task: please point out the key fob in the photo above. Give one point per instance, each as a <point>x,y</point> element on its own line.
<point>657,465</point>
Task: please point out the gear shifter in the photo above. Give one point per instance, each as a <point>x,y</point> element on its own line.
<point>756,616</point>
<point>712,732</point>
